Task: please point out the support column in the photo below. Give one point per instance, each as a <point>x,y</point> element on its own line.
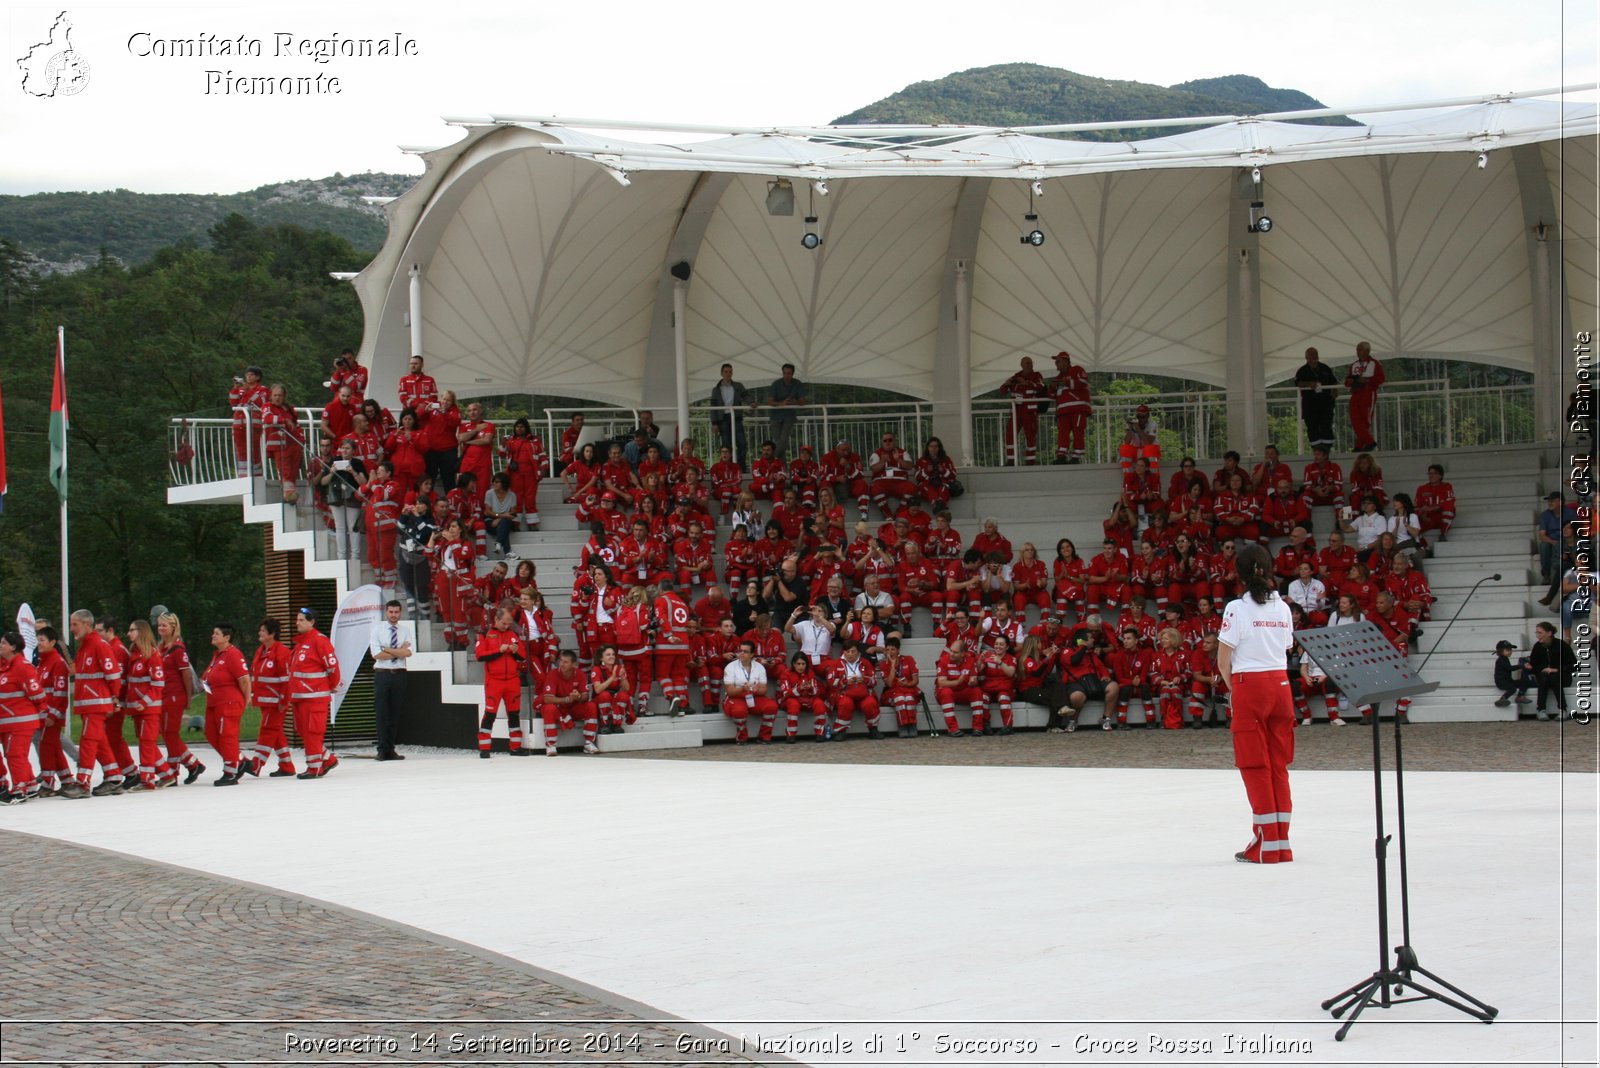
<point>952,353</point>
<point>1246,372</point>
<point>680,351</point>
<point>414,310</point>
<point>1547,280</point>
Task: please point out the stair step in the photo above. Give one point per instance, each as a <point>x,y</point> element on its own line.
<point>633,740</point>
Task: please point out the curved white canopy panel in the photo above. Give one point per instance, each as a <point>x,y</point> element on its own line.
<point>543,248</point>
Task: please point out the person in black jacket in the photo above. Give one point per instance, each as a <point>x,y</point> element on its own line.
<point>1553,663</point>
<point>1511,676</point>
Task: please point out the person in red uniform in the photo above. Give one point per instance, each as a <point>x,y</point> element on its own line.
<point>890,469</point>
<point>725,478</point>
<point>1141,487</point>
<point>693,555</point>
<point>54,768</point>
<point>96,679</point>
<point>525,462</point>
<point>565,698</point>
<point>1270,470</point>
<point>1236,508</point>
<point>768,474</point>
<point>338,417</point>
<point>852,681</point>
<point>348,373</point>
<point>902,685</point>
<point>842,469</point>
<point>1070,390</point>
<point>1283,510</point>
<point>500,651</point>
<point>935,473</point>
<point>406,448</point>
<point>1130,664</point>
<point>248,399</point>
<point>384,496</point>
<point>269,689</point>
<point>613,700</point>
<point>1149,577</point>
<point>671,646</point>
<point>1029,395</point>
<point>175,697</point>
<point>1070,574</point>
<point>147,681</point>
<point>745,693</point>
<point>1363,380</point>
<point>476,439</point>
<point>1323,480</point>
<point>1107,578</point>
<point>800,689</point>
<point>1334,563</point>
<point>920,581</point>
<point>956,679</point>
<point>453,588</point>
<point>997,668</point>
<point>418,390</point>
<point>1208,691</point>
<point>226,681</point>
<point>121,754</point>
<point>1300,549</point>
<point>1436,503</point>
<point>805,476</point>
<point>567,446</point>
<point>634,630</point>
<point>1169,679</point>
<point>1257,633</point>
<point>22,703</point>
<point>313,676</point>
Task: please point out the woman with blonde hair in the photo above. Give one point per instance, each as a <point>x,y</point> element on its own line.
<point>146,681</point>
<point>633,647</point>
<point>175,697</point>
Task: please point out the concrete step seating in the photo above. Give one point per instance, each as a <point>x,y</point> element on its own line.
<point>1498,491</point>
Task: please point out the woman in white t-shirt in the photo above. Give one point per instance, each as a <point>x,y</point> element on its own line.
<point>1252,655</point>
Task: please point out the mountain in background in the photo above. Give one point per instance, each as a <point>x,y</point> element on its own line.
<point>1028,94</point>
<point>66,231</point>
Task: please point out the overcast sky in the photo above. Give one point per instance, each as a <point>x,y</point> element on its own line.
<point>145,121</point>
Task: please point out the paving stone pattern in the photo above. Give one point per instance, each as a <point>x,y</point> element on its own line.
<point>91,936</point>
<point>1499,746</point>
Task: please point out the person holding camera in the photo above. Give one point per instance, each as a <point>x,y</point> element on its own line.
<point>341,489</point>
<point>1363,380</point>
<point>786,591</point>
<point>347,371</point>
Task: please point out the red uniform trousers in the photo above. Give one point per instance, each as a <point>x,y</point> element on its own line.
<point>1330,698</point>
<point>380,546</point>
<point>671,669</point>
<point>614,709</point>
<point>120,753</point>
<point>933,600</point>
<point>287,460</point>
<point>857,488</point>
<point>1021,599</point>
<point>584,712</point>
<point>1107,595</point>
<point>904,700</point>
<point>1363,403</point>
<point>453,592</point>
<point>1070,425</point>
<point>172,711</point>
<point>999,693</point>
<point>1202,694</point>
<point>271,739</point>
<point>1127,453</point>
<point>1024,421</point>
<point>793,706</point>
<point>710,680</point>
<point>848,701</point>
<point>93,747</point>
<point>1263,749</point>
<point>152,764</point>
<point>498,693</point>
<point>948,696</point>
<point>17,742</point>
<point>311,723</point>
<point>1250,530</point>
<point>902,489</point>
<point>639,663</point>
<point>1072,595</point>
<point>740,709</point>
<point>54,768</point>
<point>247,444</point>
<point>1170,702</point>
<point>222,732</point>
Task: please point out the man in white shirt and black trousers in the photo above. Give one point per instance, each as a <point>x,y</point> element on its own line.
<point>1252,655</point>
<point>392,643</point>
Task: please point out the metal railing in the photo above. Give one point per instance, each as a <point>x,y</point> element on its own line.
<point>1426,415</point>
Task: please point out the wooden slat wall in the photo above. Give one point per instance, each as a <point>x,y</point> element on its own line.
<point>288,590</point>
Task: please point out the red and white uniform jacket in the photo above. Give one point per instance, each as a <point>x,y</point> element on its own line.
<point>994,678</point>
<point>725,477</point>
<point>22,698</point>
<point>799,685</point>
<point>1203,663</point>
<point>96,677</point>
<point>1235,508</point>
<point>354,376</point>
<point>255,399</point>
<point>846,468</point>
<point>943,544</point>
<point>269,676</point>
<point>1323,482</point>
<point>902,674</point>
<point>1267,475</point>
<point>1149,571</point>
<point>677,471</point>
<point>694,555</point>
<point>925,576</point>
<point>1071,389</point>
<point>418,392</point>
<point>497,650</point>
<point>1113,569</point>
<point>1169,669</point>
<point>528,454</point>
<point>53,677</point>
<point>1333,565</point>
<point>1011,629</point>
<point>313,668</point>
<point>1146,624</point>
<point>1436,499</point>
<point>987,543</point>
<point>1028,388</point>
<point>963,669</point>
<point>672,624</point>
<point>1130,668</point>
<point>146,680</point>
<point>569,444</point>
<point>850,678</point>
<point>770,647</point>
<point>1196,627</point>
<point>556,684</point>
<point>386,497</point>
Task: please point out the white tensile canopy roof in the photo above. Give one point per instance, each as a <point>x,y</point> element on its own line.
<point>541,250</point>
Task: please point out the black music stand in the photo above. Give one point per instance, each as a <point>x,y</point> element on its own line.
<point>1367,668</point>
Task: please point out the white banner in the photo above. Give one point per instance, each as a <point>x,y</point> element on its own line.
<point>350,634</point>
<point>30,639</point>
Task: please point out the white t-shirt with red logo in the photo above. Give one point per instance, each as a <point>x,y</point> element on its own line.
<point>1260,635</point>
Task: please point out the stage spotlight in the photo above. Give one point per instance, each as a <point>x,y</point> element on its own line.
<point>1483,160</point>
<point>1259,222</point>
<point>811,239</point>
<point>1255,175</point>
<point>780,197</point>
<point>680,270</point>
<point>1034,237</point>
<point>821,186</point>
<point>1038,188</point>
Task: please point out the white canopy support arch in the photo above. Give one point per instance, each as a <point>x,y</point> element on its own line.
<point>534,255</point>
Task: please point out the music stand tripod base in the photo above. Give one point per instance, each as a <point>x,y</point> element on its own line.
<point>1368,669</point>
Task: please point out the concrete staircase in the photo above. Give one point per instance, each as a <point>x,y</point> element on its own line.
<point>1498,492</point>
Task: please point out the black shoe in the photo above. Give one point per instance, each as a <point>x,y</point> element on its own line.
<point>226,780</point>
<point>519,752</point>
<point>309,774</point>
<point>483,754</point>
<point>381,755</point>
<point>196,770</point>
<point>396,755</point>
<point>249,766</point>
<point>280,774</point>
<point>72,790</point>
<point>793,738</point>
<point>821,738</point>
<point>953,734</point>
<point>130,782</point>
<point>108,788</point>
<point>328,764</point>
<point>874,733</point>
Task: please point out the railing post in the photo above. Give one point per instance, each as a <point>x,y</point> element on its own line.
<point>827,438</point>
<point>1449,416</point>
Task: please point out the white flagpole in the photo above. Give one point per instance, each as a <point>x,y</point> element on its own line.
<point>66,610</point>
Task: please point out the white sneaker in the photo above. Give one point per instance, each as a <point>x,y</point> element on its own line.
<point>513,555</point>
<point>1336,722</point>
<point>1306,722</point>
<point>549,750</point>
<point>590,747</point>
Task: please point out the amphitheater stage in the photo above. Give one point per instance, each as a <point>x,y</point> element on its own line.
<point>1082,910</point>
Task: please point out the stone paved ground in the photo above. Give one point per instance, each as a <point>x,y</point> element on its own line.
<point>89,936</point>
<point>1524,746</point>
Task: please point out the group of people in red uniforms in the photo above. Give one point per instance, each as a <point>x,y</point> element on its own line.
<point>149,682</point>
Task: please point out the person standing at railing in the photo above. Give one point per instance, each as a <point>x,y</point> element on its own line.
<point>341,488</point>
<point>347,371</point>
<point>1029,394</point>
<point>1070,389</point>
<point>634,451</point>
<point>785,397</point>
<point>384,496</point>
<point>1363,380</point>
<point>727,399</point>
<point>249,399</point>
<point>338,418</point>
<point>406,449</point>
<point>284,440</point>
<point>418,391</point>
<point>477,440</point>
<point>525,463</point>
<point>439,426</point>
<point>1316,384</point>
